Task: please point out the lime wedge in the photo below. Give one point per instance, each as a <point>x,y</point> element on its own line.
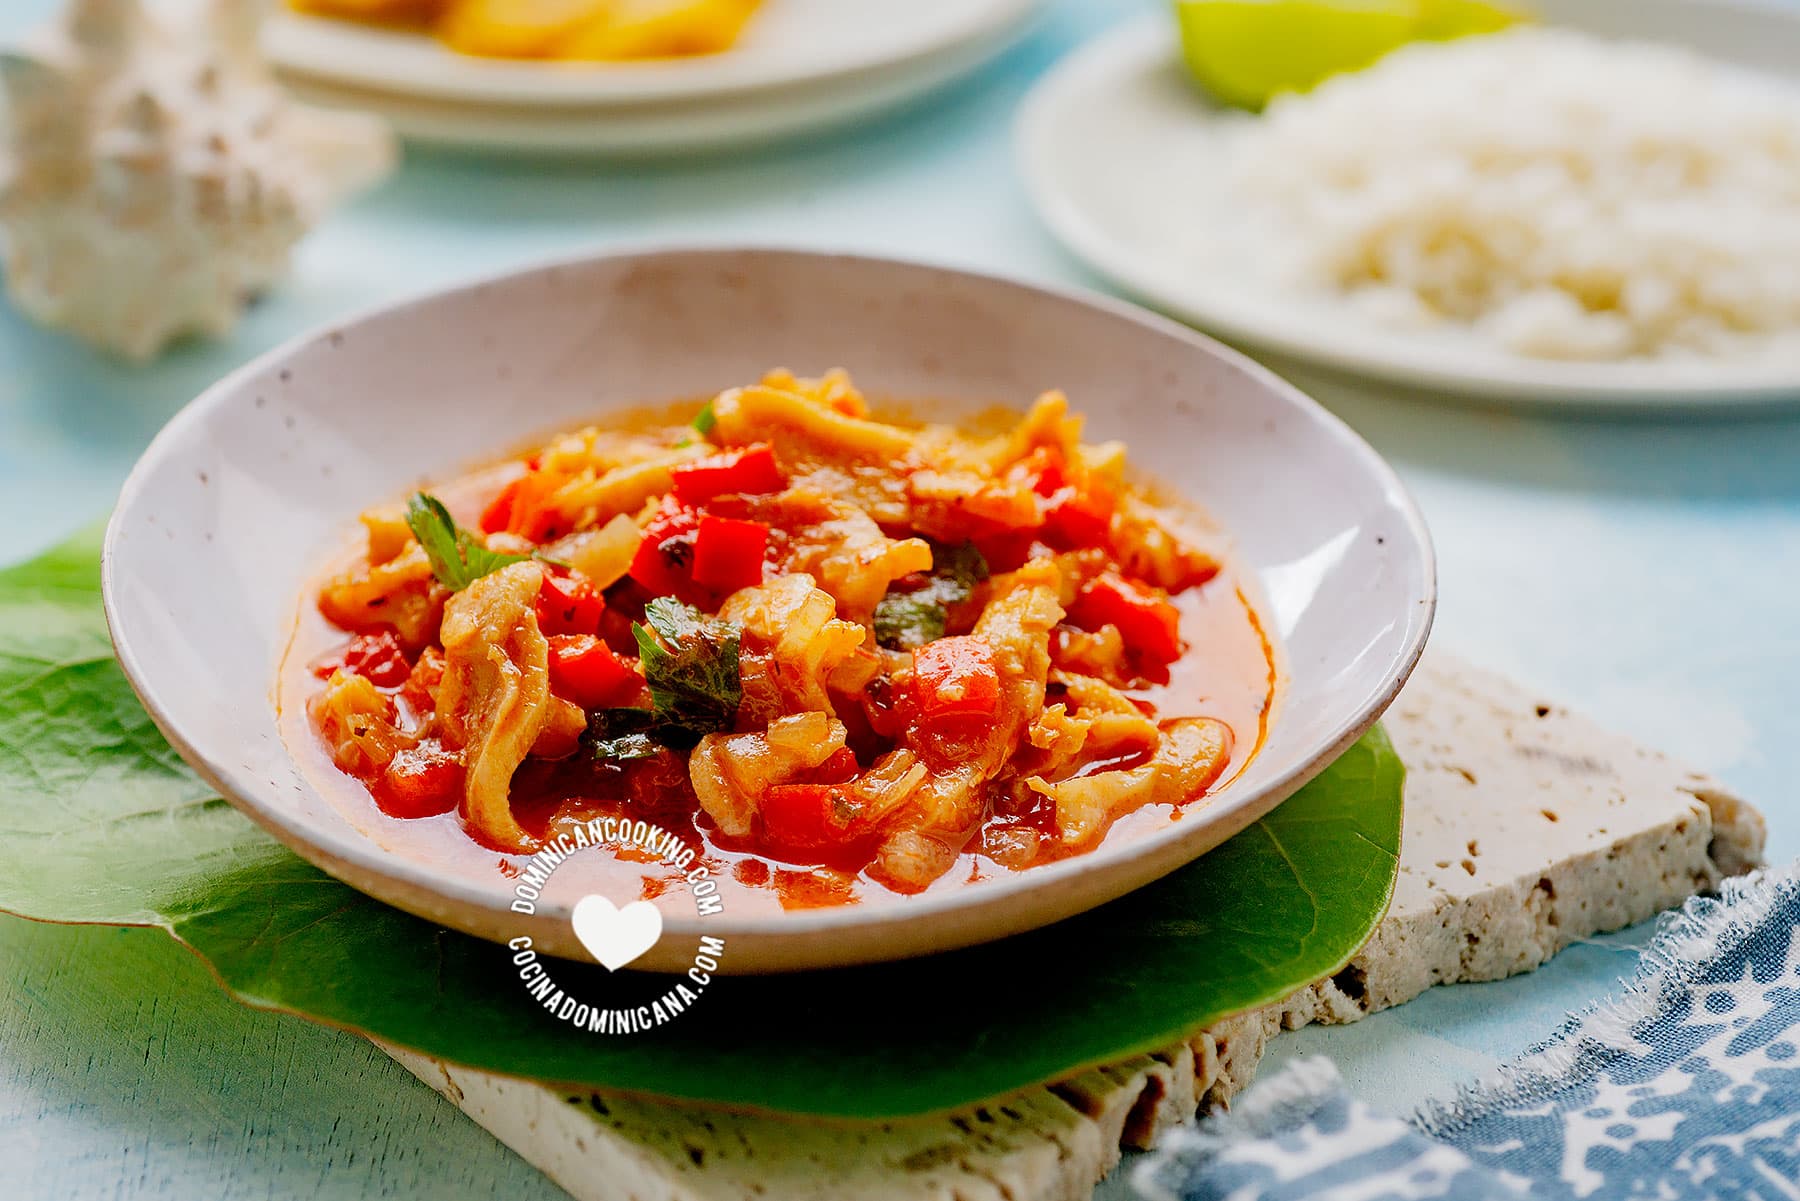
<point>1246,51</point>
<point>1441,20</point>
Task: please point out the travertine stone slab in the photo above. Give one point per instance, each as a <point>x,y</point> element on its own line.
<point>1526,828</point>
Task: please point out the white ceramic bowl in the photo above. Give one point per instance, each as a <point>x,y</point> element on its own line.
<point>239,500</point>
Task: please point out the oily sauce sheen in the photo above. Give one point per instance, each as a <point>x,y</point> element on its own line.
<point>1225,671</point>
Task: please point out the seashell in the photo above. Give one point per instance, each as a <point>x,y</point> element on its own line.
<point>153,175</point>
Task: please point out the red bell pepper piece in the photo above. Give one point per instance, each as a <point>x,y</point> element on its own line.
<point>1074,518</point>
<point>1046,469</point>
<point>421,781</point>
<point>840,768</point>
<point>1150,624</point>
<point>569,604</point>
<point>498,515</point>
<point>809,817</point>
<point>728,553</point>
<point>955,677</point>
<point>750,470</point>
<point>1009,551</point>
<point>378,658</point>
<point>520,508</point>
<point>586,671</point>
<point>665,558</point>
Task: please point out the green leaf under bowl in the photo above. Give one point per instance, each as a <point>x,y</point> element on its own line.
<point>100,821</point>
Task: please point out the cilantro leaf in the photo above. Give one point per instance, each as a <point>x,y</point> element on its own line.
<point>959,568</point>
<point>457,558</point>
<point>622,733</point>
<point>690,661</point>
<point>904,620</point>
<point>693,670</point>
<point>907,619</point>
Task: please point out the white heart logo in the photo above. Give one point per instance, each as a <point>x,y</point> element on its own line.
<point>616,936</point>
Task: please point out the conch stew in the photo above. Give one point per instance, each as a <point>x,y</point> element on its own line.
<point>812,637</point>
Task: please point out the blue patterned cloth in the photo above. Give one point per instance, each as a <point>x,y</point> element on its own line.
<point>1685,1088</point>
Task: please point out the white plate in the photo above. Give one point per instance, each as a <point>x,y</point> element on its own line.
<point>789,43</point>
<point>1108,142</point>
<point>732,123</point>
<point>252,487</point>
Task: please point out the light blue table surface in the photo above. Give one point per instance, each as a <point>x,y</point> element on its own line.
<point>1643,571</point>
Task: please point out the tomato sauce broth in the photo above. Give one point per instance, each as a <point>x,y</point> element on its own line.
<point>1227,672</point>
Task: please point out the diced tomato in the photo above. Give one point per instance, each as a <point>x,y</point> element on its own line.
<point>420,689</point>
<point>665,558</point>
<point>1075,518</point>
<point>840,768</point>
<point>421,781</point>
<point>569,604</point>
<point>1009,551</point>
<point>586,671</point>
<point>1046,469</point>
<point>498,515</point>
<point>810,817</point>
<point>520,507</point>
<point>1150,624</point>
<point>728,554</point>
<point>750,470</point>
<point>955,677</point>
<point>1076,514</point>
<point>377,658</point>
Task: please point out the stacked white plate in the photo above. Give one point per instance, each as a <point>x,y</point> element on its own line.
<point>802,65</point>
<point>1111,139</point>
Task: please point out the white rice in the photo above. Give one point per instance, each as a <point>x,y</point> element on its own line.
<point>1550,193</point>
